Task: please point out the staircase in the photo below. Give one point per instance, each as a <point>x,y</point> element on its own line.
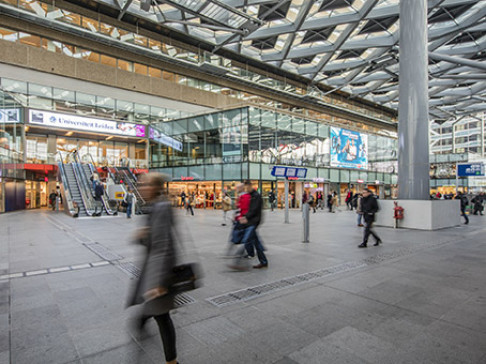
<point>131,181</point>
<point>74,188</point>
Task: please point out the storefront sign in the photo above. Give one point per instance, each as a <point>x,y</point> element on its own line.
<point>9,116</point>
<point>160,137</point>
<point>319,180</point>
<point>360,181</point>
<point>349,149</point>
<point>187,178</point>
<point>290,172</point>
<point>310,185</point>
<point>65,121</point>
<point>377,182</point>
<point>470,169</point>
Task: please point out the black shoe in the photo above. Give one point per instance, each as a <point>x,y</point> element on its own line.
<point>378,242</point>
<point>363,245</point>
<point>223,224</point>
<point>260,266</point>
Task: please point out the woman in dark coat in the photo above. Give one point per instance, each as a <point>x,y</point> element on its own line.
<point>151,289</point>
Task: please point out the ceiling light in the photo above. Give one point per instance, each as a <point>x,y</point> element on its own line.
<point>69,133</point>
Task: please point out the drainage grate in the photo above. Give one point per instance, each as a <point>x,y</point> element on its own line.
<point>102,252</point>
<point>130,268</point>
<point>183,299</point>
<point>133,271</point>
<point>258,291</point>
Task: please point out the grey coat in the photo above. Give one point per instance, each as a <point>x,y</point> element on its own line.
<point>159,261</point>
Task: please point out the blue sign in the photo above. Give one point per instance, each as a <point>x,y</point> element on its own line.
<point>292,172</point>
<point>470,170</point>
<point>349,149</point>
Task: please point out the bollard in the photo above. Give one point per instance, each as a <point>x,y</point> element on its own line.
<point>306,220</point>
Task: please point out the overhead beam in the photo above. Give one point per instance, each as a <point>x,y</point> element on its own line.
<point>457,60</point>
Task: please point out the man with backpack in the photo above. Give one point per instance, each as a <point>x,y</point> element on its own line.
<point>129,198</point>
<point>369,207</point>
<point>99,192</point>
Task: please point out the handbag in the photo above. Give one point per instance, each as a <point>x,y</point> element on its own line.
<point>185,278</point>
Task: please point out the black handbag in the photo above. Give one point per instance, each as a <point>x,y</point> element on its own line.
<point>185,278</point>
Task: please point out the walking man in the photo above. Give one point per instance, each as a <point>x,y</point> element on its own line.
<point>129,197</point>
<point>272,199</point>
<point>252,220</point>
<point>464,202</point>
<point>369,207</point>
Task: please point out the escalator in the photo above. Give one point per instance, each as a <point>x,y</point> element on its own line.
<point>125,174</point>
<point>87,170</point>
<point>71,185</point>
<point>75,188</point>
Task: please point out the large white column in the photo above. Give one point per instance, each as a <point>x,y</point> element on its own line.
<point>413,126</point>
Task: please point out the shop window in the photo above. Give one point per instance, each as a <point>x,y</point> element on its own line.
<point>154,72</point>
<point>140,69</point>
<point>107,60</point>
<point>125,65</point>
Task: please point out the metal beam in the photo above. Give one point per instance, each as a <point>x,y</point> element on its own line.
<point>456,60</point>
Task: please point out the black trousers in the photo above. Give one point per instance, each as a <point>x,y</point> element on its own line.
<point>368,231</point>
<point>168,335</point>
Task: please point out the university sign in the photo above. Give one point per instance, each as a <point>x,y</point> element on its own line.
<point>82,123</point>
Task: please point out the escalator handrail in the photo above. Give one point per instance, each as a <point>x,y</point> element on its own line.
<point>140,199</point>
<point>133,186</point>
<point>83,183</point>
<point>67,190</point>
<point>105,196</point>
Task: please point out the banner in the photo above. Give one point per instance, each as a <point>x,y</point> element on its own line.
<point>160,137</point>
<point>349,149</point>
<point>75,122</point>
<point>10,116</point>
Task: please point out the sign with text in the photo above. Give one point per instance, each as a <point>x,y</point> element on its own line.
<point>160,137</point>
<point>289,172</point>
<point>82,123</point>
<point>470,170</point>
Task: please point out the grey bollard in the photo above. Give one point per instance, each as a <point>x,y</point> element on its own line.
<point>306,220</point>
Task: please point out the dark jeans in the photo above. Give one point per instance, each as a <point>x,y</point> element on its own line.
<point>463,214</point>
<point>251,237</point>
<point>368,231</point>
<point>129,210</point>
<point>168,335</point>
<point>189,207</point>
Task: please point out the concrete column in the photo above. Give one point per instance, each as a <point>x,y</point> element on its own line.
<point>413,126</point>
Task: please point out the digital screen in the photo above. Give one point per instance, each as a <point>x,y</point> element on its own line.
<point>291,172</point>
<point>349,149</point>
<point>301,173</point>
<point>280,171</point>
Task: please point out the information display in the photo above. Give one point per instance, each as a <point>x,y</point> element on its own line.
<point>470,170</point>
<point>290,172</point>
<point>349,149</point>
<point>160,137</point>
<point>83,123</point>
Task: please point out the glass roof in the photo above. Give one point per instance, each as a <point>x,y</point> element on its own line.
<point>346,45</point>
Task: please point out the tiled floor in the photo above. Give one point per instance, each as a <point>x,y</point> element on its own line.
<point>419,298</point>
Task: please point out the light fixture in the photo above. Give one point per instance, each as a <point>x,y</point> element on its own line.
<point>69,133</point>
<point>27,128</point>
<point>109,138</point>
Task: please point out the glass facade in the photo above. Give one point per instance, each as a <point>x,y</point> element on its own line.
<point>245,143</point>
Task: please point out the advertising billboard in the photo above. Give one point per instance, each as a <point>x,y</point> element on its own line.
<point>349,149</point>
<point>82,123</point>
<point>160,137</point>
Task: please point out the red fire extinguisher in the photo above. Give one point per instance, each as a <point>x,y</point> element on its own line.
<point>397,213</point>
